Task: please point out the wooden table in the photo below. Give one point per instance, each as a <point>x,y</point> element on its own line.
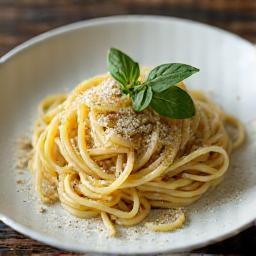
<point>23,19</point>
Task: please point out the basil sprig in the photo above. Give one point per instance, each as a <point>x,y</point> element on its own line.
<point>166,75</point>
<point>123,69</point>
<point>173,102</point>
<point>159,90</point>
<point>142,98</point>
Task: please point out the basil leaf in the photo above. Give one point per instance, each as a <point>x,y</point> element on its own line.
<point>142,99</point>
<point>174,103</point>
<point>164,76</point>
<point>122,68</point>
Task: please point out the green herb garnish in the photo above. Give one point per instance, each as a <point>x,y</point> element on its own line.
<point>158,91</point>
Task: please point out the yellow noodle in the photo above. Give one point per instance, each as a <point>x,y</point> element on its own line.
<point>108,224</point>
<point>169,226</point>
<point>95,170</point>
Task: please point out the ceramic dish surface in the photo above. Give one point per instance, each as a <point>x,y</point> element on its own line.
<point>58,60</point>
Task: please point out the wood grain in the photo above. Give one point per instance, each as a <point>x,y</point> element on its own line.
<point>23,19</point>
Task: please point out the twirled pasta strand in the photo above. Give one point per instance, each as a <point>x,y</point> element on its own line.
<point>67,168</point>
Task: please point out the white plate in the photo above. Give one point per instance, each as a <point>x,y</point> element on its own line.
<point>58,60</point>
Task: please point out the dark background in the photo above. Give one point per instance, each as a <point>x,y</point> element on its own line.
<point>23,19</point>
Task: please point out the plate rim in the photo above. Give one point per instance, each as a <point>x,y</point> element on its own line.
<point>92,23</point>
<point>103,21</point>
<point>34,235</point>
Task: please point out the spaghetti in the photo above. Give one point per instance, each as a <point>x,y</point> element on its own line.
<point>99,157</point>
